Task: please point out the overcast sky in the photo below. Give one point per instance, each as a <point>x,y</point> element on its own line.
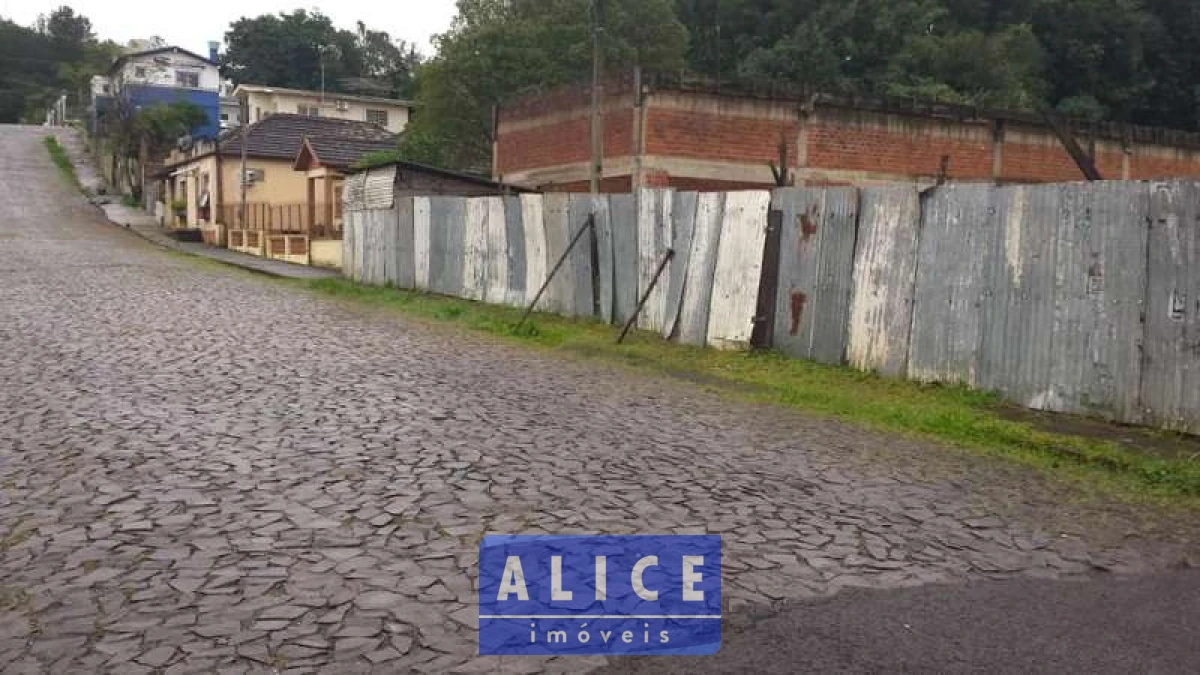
<point>192,24</point>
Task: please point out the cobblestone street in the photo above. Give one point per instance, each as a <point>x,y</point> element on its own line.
<point>203,470</point>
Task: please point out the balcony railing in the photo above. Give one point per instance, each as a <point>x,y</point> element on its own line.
<point>284,219</point>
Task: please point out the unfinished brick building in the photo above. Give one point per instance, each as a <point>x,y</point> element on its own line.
<point>689,137</point>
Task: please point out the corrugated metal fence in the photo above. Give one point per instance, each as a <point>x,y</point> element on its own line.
<point>500,250</point>
<point>1080,298</point>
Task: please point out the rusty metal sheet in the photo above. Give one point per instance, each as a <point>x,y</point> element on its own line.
<point>702,264</point>
<point>514,237</point>
<point>448,217</point>
<point>536,267</point>
<point>496,268</point>
<point>1018,321</point>
<point>683,217</point>
<point>421,236</point>
<point>1171,378</point>
<point>623,222</point>
<point>582,302</point>
<point>958,241</point>
<point>556,215</point>
<point>654,240</point>
<point>379,188</point>
<point>1101,286</point>
<point>885,267</point>
<point>739,264</point>
<point>815,271</point>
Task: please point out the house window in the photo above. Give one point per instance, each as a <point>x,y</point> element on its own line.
<point>104,88</point>
<point>139,71</point>
<point>224,117</point>
<point>187,79</point>
<point>379,117</point>
<point>311,111</point>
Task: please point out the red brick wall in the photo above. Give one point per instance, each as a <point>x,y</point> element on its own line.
<point>859,144</point>
<point>917,151</point>
<point>1147,167</point>
<point>697,135</point>
<point>612,185</point>
<point>563,142</point>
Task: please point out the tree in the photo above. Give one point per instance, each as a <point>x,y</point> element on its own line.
<point>290,50</point>
<point>497,48</point>
<point>136,135</point>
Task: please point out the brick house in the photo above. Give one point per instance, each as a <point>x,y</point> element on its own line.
<point>698,138</point>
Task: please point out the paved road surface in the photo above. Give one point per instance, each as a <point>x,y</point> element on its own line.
<point>202,470</point>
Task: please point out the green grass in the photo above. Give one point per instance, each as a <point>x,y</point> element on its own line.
<point>61,160</point>
<point>954,415</point>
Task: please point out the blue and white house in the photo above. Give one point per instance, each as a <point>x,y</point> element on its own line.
<point>161,75</point>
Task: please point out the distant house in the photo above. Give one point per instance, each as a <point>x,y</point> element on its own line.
<point>262,101</point>
<point>160,75</point>
<point>205,180</point>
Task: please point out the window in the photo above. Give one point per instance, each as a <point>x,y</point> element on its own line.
<point>257,114</point>
<point>187,79</point>
<point>379,117</point>
<point>107,89</point>
<point>139,71</point>
<point>224,117</point>
<point>311,111</point>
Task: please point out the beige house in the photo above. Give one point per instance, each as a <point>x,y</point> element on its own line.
<point>261,101</point>
<point>287,213</point>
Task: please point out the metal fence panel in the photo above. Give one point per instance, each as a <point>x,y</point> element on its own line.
<point>739,265</point>
<point>421,243</point>
<point>1101,267</point>
<point>556,215</point>
<point>683,217</point>
<point>475,251</point>
<point>514,237</point>
<point>405,261</point>
<point>884,271</point>
<point>654,239</point>
<point>350,245</point>
<point>835,278</point>
<point>624,225</point>
<point>389,240</point>
<point>582,300</point>
<point>1171,379</point>
<point>958,238</point>
<point>702,264</point>
<point>815,271</point>
<point>536,267</point>
<point>496,258</point>
<point>1018,320</point>
<point>604,256</point>
<point>447,244</point>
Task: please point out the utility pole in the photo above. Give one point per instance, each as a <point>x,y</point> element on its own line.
<point>597,118</point>
<point>244,113</point>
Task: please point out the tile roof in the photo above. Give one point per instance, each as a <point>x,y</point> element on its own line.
<point>337,142</point>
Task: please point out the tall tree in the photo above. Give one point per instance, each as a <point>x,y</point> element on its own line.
<point>496,48</point>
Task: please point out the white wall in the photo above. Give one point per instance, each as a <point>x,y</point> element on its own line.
<point>279,102</point>
<point>159,70</point>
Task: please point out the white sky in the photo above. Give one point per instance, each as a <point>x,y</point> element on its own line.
<point>192,24</point>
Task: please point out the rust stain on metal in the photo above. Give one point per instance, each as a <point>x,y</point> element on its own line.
<point>798,301</point>
<point>808,225</point>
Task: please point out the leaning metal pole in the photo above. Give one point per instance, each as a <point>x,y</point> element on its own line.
<point>646,296</point>
<point>591,221</point>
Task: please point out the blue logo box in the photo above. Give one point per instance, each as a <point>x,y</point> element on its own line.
<point>585,595</point>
